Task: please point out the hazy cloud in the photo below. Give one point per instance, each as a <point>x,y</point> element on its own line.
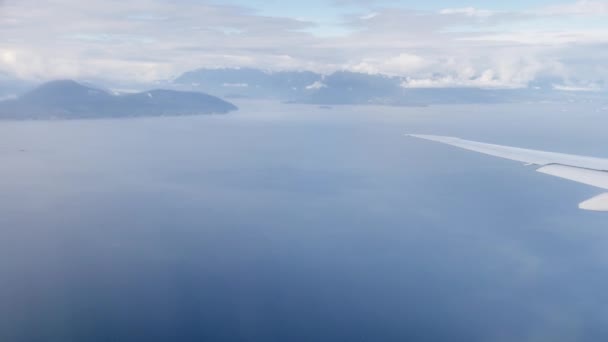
<point>468,11</point>
<point>583,7</point>
<point>146,40</point>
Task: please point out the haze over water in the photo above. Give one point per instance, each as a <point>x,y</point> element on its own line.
<point>295,223</point>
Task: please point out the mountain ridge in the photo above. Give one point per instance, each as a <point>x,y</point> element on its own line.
<point>354,88</point>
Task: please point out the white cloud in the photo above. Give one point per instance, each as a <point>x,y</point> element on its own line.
<point>316,85</point>
<point>402,64</point>
<point>468,11</point>
<point>145,40</point>
<point>503,68</point>
<point>485,80</point>
<point>583,7</point>
<point>369,16</point>
<point>534,37</point>
<point>8,57</point>
<point>578,88</point>
<point>235,85</point>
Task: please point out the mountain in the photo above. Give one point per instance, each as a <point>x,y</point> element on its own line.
<point>341,87</point>
<point>68,99</point>
<point>10,86</point>
<point>351,88</point>
<point>248,82</point>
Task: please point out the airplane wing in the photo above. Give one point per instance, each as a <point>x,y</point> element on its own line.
<point>587,170</point>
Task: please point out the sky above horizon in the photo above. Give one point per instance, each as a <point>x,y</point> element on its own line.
<point>433,43</point>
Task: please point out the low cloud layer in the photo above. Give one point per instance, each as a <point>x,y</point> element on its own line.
<point>146,40</point>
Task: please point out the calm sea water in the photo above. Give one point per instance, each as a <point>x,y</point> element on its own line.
<point>295,223</point>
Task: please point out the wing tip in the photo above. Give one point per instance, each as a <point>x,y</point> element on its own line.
<point>438,138</point>
<point>422,136</point>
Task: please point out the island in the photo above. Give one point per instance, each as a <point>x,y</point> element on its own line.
<point>68,99</point>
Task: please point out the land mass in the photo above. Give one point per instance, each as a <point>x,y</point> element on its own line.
<point>352,88</point>
<point>67,99</point>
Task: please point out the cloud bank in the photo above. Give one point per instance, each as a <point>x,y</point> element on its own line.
<point>146,40</point>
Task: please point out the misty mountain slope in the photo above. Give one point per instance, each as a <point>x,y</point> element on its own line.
<point>298,86</point>
<point>249,82</point>
<point>11,86</point>
<point>67,99</point>
<point>354,88</point>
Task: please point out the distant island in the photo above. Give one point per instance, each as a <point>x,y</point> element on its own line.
<point>67,99</point>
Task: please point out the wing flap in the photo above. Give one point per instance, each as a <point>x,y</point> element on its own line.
<point>597,203</point>
<point>594,178</point>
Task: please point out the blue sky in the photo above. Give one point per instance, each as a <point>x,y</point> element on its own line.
<point>329,14</point>
<point>324,8</point>
<point>432,43</point>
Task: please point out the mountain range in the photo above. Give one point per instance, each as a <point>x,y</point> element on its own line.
<point>188,94</point>
<point>67,99</point>
<point>345,87</point>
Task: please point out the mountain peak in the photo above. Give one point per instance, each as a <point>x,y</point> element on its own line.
<point>60,90</point>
